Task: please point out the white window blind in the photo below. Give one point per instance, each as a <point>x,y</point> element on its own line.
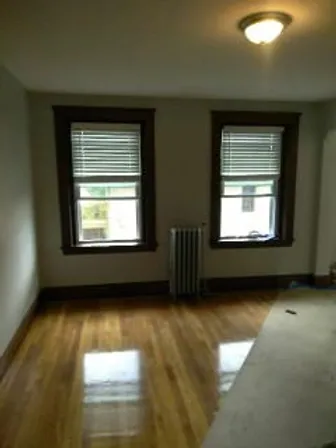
<point>251,151</point>
<point>102,150</point>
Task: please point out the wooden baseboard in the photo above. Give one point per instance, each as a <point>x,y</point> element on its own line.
<point>104,291</point>
<point>213,285</point>
<point>322,281</point>
<point>260,282</point>
<point>8,356</point>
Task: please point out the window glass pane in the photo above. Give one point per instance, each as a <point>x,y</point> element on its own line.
<point>248,187</point>
<point>124,190</point>
<point>257,222</point>
<point>108,220</point>
<point>248,199</point>
<point>105,190</point>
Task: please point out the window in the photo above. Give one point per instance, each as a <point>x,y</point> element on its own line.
<point>253,178</point>
<point>106,179</point>
<point>248,198</point>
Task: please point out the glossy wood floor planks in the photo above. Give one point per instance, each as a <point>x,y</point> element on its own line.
<point>143,373</point>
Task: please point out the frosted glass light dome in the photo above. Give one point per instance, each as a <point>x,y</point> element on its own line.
<point>264,28</point>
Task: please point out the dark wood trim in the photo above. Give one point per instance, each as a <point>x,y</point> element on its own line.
<point>260,282</point>
<point>213,285</point>
<point>290,121</point>
<point>274,242</point>
<point>82,250</point>
<point>110,290</point>
<point>322,281</point>
<point>19,335</point>
<point>63,117</point>
<point>216,134</point>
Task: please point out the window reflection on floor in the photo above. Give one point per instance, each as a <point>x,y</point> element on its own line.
<point>112,394</point>
<point>231,357</point>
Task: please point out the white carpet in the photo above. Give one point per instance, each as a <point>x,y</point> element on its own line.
<point>285,394</point>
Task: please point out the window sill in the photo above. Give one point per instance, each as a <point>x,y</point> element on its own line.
<point>83,249</point>
<point>246,244</point>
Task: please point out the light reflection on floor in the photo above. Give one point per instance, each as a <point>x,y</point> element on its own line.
<point>112,394</point>
<point>112,388</point>
<point>231,357</point>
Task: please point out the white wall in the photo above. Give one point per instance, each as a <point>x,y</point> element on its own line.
<point>18,263</point>
<point>183,193</point>
<point>326,236</point>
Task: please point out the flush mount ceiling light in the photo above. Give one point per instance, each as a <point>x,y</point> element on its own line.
<point>264,27</point>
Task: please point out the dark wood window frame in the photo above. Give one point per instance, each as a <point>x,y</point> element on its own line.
<point>286,195</point>
<point>64,116</point>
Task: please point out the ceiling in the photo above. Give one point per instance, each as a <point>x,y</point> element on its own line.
<point>168,48</point>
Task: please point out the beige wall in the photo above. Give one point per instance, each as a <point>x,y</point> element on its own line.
<point>18,264</point>
<point>326,235</point>
<point>182,180</point>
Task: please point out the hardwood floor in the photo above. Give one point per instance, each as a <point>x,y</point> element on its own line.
<point>98,374</point>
